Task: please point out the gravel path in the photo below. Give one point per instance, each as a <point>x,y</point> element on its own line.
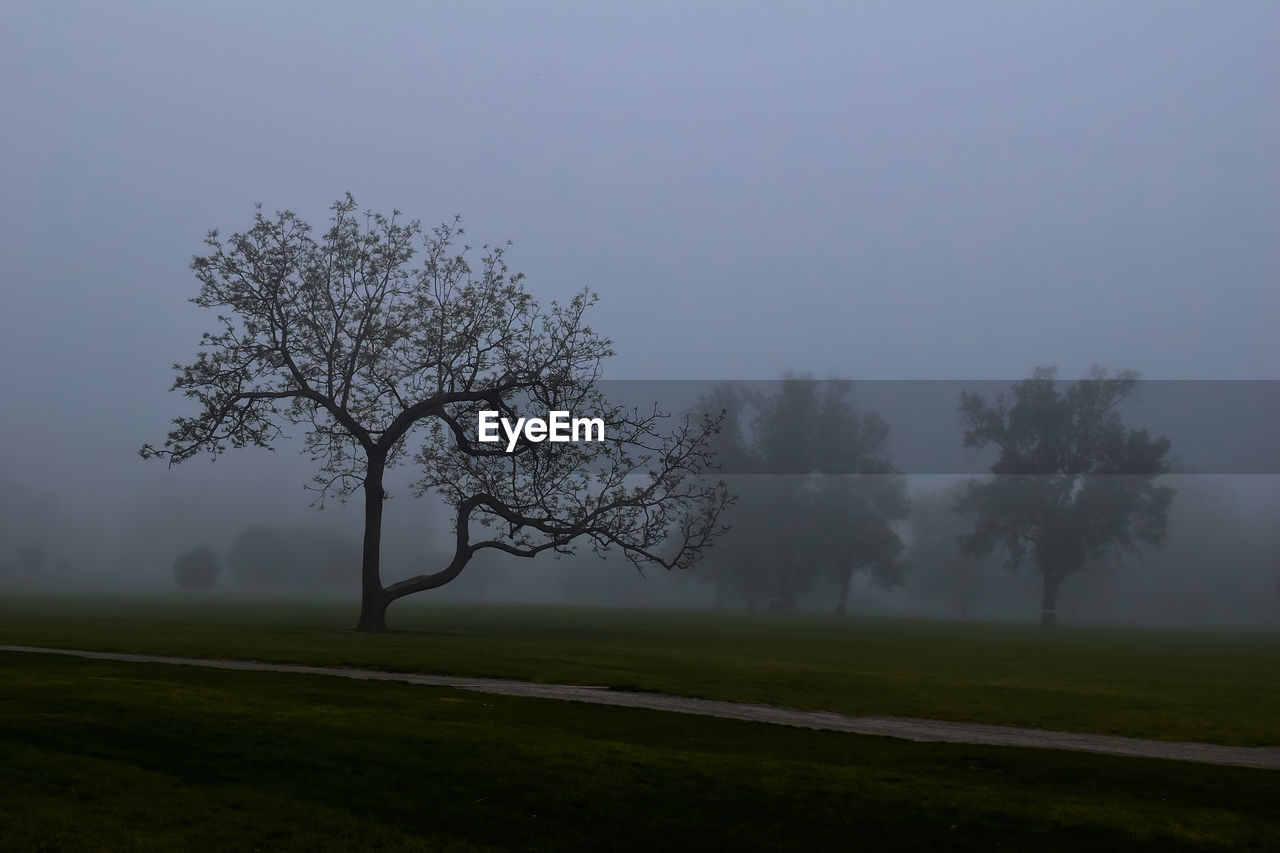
<point>908,728</point>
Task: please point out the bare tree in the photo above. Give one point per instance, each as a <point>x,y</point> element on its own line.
<point>385,342</point>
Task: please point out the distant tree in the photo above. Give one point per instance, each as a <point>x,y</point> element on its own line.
<point>859,534</point>
<point>857,498</point>
<point>375,356</point>
<point>818,499</point>
<point>1072,483</point>
<point>196,569</point>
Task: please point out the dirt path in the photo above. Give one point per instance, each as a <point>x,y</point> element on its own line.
<point>900,727</point>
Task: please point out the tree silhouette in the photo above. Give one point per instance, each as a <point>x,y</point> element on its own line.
<point>1072,481</point>
<point>817,499</point>
<point>384,342</point>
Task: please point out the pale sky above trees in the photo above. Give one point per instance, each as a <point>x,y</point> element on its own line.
<point>874,190</point>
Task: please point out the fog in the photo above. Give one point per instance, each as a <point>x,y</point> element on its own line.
<point>923,198</point>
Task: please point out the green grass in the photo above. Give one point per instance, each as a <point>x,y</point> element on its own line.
<point>113,756</point>
<point>1215,687</point>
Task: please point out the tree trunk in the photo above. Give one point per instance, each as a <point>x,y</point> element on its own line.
<point>843,605</point>
<point>373,599</point>
<point>1049,603</point>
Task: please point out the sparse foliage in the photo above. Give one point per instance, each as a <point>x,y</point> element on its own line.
<point>383,341</point>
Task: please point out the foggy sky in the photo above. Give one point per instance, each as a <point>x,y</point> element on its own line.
<point>872,190</point>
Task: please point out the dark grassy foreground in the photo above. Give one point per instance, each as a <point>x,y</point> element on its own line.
<point>97,755</point>
<point>1214,687</point>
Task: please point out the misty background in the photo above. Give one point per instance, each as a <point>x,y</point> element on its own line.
<point>879,191</point>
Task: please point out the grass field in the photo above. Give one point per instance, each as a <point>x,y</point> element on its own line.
<point>1215,687</point>
<point>104,755</point>
<point>113,756</point>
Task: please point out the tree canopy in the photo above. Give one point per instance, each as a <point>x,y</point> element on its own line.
<point>818,499</point>
<point>1072,482</point>
<point>383,341</point>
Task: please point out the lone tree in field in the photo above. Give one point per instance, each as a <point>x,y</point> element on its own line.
<point>1072,483</point>
<point>384,342</point>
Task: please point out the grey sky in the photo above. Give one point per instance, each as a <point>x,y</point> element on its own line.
<point>876,190</point>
